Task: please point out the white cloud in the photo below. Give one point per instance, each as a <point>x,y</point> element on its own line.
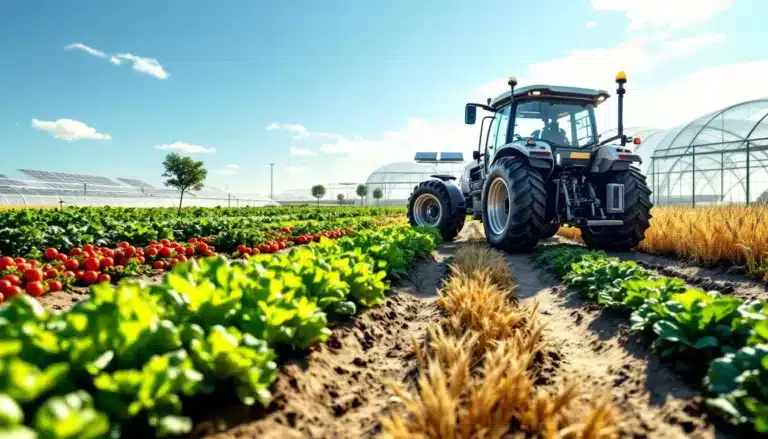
<point>228,170</point>
<point>115,60</point>
<point>68,129</point>
<point>671,14</point>
<point>591,24</point>
<point>295,170</point>
<point>185,147</point>
<point>86,49</point>
<point>299,131</point>
<point>150,66</point>
<point>273,127</point>
<point>302,151</point>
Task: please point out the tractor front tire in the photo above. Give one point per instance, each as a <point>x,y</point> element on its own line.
<point>514,205</point>
<point>636,216</point>
<point>430,205</point>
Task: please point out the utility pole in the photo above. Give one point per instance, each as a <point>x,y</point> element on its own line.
<point>272,181</point>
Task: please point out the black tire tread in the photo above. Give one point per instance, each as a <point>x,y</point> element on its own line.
<point>636,217</point>
<point>451,224</point>
<point>528,209</point>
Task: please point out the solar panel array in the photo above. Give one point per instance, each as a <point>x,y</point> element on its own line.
<point>426,157</point>
<point>445,157</point>
<point>135,183</point>
<point>61,177</point>
<point>451,157</point>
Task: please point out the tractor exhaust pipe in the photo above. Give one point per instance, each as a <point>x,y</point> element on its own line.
<point>621,79</point>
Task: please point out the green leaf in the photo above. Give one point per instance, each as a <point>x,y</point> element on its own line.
<point>10,412</point>
<point>705,342</point>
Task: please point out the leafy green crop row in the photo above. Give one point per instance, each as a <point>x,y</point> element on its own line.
<point>707,333</point>
<point>24,230</point>
<point>128,358</point>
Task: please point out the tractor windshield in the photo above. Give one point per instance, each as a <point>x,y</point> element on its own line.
<point>555,122</point>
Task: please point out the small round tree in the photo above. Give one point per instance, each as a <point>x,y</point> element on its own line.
<point>318,191</point>
<point>340,197</point>
<point>184,174</point>
<point>378,194</point>
<point>362,191</point>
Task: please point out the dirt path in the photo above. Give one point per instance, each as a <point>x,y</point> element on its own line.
<point>341,389</point>
<point>595,346</point>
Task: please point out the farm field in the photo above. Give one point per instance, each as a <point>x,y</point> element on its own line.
<point>731,237</point>
<point>366,328</point>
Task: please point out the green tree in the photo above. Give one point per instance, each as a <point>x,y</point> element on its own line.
<point>340,197</point>
<point>378,194</point>
<point>362,191</point>
<point>318,191</point>
<point>184,174</point>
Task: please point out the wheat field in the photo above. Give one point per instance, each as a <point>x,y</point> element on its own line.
<point>734,236</point>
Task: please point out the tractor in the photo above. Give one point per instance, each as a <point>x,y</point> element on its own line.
<point>542,165</point>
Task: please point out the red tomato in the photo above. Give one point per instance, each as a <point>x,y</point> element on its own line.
<point>23,267</point>
<point>140,259</point>
<point>104,278</point>
<point>189,251</point>
<point>241,248</point>
<point>77,251</point>
<point>72,264</point>
<point>12,278</point>
<point>108,253</point>
<point>166,252</point>
<point>60,267</point>
<point>61,257</point>
<point>55,286</point>
<point>106,262</point>
<point>165,242</point>
<point>202,247</point>
<point>281,244</point>
<point>301,240</point>
<point>51,274</point>
<point>274,247</point>
<point>32,263</point>
<point>68,274</point>
<point>248,251</point>
<point>88,248</point>
<point>79,274</point>
<point>192,240</point>
<point>153,242</point>
<point>2,298</point>
<point>35,289</point>
<point>19,260</point>
<point>4,284</point>
<point>255,251</point>
<point>6,261</point>
<point>91,264</point>
<point>124,245</point>
<point>50,254</point>
<point>90,277</point>
<point>129,251</point>
<point>174,261</point>
<point>152,251</point>
<point>12,291</point>
<point>159,265</point>
<point>33,275</point>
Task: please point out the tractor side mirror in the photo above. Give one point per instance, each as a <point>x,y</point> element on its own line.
<point>475,155</point>
<point>470,114</point>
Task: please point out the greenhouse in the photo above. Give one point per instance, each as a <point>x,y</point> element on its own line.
<point>717,158</point>
<point>397,180</point>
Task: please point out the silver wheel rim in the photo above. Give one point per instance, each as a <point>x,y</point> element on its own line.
<point>427,210</point>
<point>498,206</point>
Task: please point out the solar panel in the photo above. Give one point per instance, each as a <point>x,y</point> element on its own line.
<point>426,157</point>
<point>61,177</point>
<point>451,157</point>
<point>136,183</point>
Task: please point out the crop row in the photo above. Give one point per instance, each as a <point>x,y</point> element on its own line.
<point>22,232</point>
<point>130,358</point>
<point>87,265</point>
<point>704,333</point>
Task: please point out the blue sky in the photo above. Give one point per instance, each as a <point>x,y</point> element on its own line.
<point>330,90</point>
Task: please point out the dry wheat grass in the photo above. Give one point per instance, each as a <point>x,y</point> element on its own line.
<point>478,370</point>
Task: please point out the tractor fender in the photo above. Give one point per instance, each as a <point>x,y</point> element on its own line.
<point>457,197</point>
<point>613,158</point>
<point>524,152</point>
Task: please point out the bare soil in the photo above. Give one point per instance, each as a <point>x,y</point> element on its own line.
<point>595,347</point>
<point>342,388</point>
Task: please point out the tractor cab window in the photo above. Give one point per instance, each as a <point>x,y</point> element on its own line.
<point>498,134</point>
<point>559,124</point>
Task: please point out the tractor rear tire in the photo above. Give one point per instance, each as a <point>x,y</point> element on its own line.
<point>514,205</point>
<point>636,216</point>
<point>430,205</point>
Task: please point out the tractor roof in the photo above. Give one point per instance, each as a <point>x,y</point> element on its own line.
<point>552,91</point>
